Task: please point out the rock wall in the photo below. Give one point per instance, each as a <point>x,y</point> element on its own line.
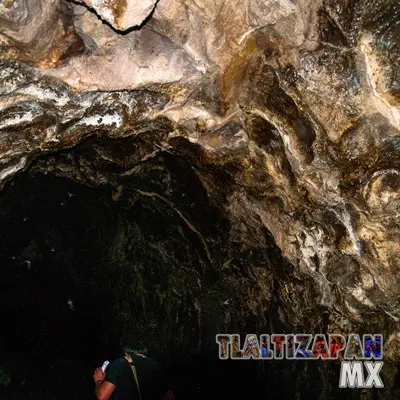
<point>286,113</point>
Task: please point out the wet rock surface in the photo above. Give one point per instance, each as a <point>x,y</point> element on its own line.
<point>243,157</point>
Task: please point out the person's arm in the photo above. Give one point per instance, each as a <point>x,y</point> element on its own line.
<point>104,389</point>
<point>169,395</point>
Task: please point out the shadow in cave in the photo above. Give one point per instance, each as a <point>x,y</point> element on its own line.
<point>52,233</point>
<point>76,264</point>
<point>80,263</point>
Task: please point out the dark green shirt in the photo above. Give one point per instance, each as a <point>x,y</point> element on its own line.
<point>152,380</point>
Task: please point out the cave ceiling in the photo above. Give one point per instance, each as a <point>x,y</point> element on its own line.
<point>285,112</point>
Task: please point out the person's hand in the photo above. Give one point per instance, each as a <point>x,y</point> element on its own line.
<point>98,375</point>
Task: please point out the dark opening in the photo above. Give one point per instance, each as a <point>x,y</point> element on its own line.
<point>81,262</point>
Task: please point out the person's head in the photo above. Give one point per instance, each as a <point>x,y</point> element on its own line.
<point>132,344</point>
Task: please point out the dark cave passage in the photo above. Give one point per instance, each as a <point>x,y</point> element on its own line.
<point>80,263</point>
<point>76,267</point>
<point>52,232</point>
<point>195,168</point>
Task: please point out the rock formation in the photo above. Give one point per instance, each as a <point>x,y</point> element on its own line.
<point>123,14</point>
<point>264,135</point>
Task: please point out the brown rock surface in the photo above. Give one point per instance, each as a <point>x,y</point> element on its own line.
<point>286,113</point>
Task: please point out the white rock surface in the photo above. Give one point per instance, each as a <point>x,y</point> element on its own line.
<point>122,14</point>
